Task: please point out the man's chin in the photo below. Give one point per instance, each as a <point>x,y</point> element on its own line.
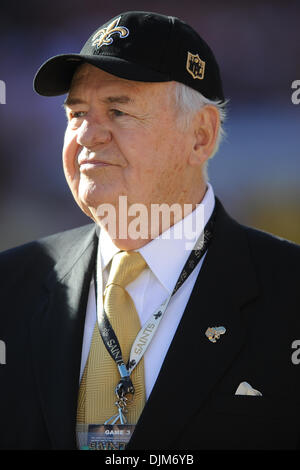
<point>89,195</point>
<point>86,210</point>
<point>92,205</point>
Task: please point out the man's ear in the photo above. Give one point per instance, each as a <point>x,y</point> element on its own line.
<point>206,124</point>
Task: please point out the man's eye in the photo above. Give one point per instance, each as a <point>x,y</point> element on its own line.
<point>117,112</point>
<point>76,114</point>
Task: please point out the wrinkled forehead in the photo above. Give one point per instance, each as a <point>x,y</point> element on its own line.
<point>85,72</point>
<point>90,78</point>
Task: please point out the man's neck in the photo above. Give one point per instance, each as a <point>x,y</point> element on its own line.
<point>131,232</point>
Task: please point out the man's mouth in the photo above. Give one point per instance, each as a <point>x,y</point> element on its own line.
<point>92,163</point>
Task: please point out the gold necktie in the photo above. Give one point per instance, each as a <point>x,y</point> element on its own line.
<point>96,400</point>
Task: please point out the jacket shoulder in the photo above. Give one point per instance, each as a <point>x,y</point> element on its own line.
<point>261,243</point>
<point>42,253</point>
<point>276,259</point>
<point>268,243</point>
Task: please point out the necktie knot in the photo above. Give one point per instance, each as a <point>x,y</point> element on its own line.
<point>125,268</point>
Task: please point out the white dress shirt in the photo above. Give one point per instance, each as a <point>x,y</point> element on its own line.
<point>165,257</point>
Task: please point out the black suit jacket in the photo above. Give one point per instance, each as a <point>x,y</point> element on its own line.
<point>249,283</point>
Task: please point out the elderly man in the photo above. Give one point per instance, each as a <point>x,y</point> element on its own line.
<point>120,334</point>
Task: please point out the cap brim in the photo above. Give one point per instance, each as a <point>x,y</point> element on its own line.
<point>55,75</point>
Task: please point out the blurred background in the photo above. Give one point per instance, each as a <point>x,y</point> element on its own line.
<point>256,171</point>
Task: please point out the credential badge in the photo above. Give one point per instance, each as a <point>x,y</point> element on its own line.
<point>103,36</point>
<point>195,66</point>
<point>214,333</point>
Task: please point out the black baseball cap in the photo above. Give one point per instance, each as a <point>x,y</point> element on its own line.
<point>139,46</point>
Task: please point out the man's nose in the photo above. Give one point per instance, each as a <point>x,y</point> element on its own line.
<point>92,133</point>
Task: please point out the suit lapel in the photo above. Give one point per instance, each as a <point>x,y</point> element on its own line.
<point>193,364</point>
<point>57,332</point>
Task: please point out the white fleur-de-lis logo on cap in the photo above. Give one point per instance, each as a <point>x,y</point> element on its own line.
<point>103,36</point>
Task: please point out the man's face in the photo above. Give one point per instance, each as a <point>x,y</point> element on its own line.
<point>123,139</point>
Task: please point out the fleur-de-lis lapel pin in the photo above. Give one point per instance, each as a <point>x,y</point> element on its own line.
<point>214,333</point>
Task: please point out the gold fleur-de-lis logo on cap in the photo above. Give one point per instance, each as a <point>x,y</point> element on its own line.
<point>103,36</point>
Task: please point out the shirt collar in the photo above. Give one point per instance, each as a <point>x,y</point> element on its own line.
<point>167,254</point>
<point>107,249</point>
